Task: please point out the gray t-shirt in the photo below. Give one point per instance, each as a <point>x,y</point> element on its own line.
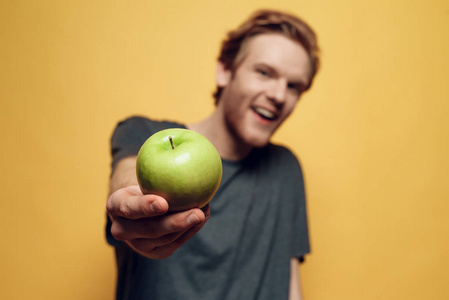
<point>258,223</point>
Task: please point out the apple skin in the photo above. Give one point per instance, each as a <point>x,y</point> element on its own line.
<point>187,175</point>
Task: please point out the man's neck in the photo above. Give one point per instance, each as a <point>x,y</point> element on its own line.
<point>215,129</point>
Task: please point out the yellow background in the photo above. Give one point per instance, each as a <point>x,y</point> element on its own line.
<point>372,135</point>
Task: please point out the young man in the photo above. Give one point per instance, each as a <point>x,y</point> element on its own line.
<point>256,231</point>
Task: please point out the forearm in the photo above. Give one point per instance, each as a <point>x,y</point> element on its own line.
<point>295,286</point>
<point>124,174</point>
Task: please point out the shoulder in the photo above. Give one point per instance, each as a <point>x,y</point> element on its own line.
<point>145,122</point>
<point>276,158</point>
<point>132,132</point>
<point>136,120</point>
<point>136,129</point>
<point>140,125</point>
<point>280,154</point>
<point>280,150</point>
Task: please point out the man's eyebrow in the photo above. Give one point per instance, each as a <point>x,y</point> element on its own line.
<point>301,83</point>
<point>266,66</point>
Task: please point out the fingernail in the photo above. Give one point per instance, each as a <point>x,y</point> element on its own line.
<point>155,207</point>
<point>206,211</point>
<point>192,219</point>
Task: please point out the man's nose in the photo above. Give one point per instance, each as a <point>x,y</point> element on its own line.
<point>277,91</point>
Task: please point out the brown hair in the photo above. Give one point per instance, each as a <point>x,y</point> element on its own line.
<point>233,48</point>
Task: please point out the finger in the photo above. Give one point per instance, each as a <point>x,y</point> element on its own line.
<point>126,229</point>
<point>206,210</point>
<point>147,245</point>
<point>127,203</point>
<point>167,250</point>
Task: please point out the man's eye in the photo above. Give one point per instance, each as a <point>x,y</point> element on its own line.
<point>263,73</point>
<point>295,88</point>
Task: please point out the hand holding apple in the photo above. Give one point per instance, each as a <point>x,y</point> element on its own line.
<point>181,166</point>
<point>142,222</point>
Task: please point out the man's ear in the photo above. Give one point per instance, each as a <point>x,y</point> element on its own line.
<point>222,75</point>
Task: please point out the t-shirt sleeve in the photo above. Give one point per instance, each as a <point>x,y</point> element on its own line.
<point>128,137</point>
<point>130,134</point>
<point>301,244</point>
<point>300,230</point>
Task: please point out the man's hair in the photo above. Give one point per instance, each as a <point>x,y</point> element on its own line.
<point>234,47</point>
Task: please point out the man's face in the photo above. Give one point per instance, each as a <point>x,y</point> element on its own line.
<point>264,89</point>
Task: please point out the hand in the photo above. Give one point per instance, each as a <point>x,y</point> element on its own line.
<point>143,223</point>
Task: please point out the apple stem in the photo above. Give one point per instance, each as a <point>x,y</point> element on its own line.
<point>171,142</point>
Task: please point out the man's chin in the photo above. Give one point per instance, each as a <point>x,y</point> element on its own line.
<point>259,142</point>
<point>255,137</point>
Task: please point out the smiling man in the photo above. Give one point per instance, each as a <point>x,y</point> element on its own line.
<point>258,96</point>
<point>255,232</point>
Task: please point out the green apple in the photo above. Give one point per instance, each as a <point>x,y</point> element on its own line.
<point>181,166</point>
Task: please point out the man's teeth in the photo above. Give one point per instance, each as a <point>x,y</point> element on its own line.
<point>264,113</point>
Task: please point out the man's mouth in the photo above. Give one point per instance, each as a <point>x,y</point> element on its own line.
<point>265,113</point>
